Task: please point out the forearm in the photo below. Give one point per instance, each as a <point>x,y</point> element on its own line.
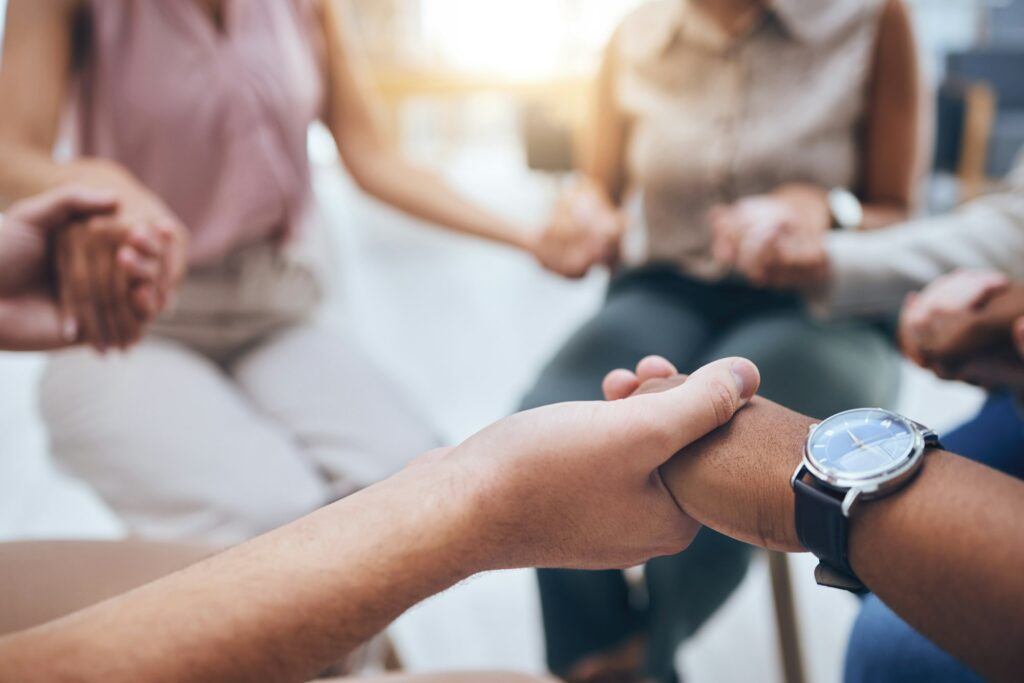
<point>26,171</point>
<point>387,176</point>
<point>945,553</point>
<point>280,608</point>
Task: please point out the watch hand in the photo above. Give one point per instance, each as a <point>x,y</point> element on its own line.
<point>857,442</point>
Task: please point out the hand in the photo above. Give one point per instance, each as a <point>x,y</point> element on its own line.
<point>584,231</point>
<point>945,322</point>
<point>31,317</point>
<point>577,485</point>
<point>775,240</point>
<point>116,275</point>
<point>736,479</point>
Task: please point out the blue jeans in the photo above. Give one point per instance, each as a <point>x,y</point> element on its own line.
<point>885,649</point>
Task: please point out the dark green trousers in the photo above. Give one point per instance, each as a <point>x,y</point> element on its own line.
<point>813,367</point>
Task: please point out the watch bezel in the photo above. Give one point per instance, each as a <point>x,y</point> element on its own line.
<point>876,484</point>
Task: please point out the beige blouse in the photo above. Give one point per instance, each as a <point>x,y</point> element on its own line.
<point>715,118</point>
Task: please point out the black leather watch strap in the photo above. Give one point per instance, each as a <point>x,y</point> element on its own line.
<point>823,529</point>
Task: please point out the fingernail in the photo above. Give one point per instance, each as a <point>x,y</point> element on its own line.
<point>746,377</point>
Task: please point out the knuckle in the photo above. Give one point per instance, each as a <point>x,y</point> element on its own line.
<point>720,396</point>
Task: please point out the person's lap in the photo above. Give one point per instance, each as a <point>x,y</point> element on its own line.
<point>181,448</point>
<point>819,367</point>
<point>882,646</point>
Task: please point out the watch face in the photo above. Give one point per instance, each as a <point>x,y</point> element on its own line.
<point>861,444</point>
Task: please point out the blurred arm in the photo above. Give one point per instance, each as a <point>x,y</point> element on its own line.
<point>34,83</point>
<point>336,578</point>
<point>944,553</point>
<point>891,154</point>
<point>602,157</point>
<point>871,273</point>
<point>377,166</point>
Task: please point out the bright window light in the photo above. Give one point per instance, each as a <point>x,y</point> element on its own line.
<point>522,39</point>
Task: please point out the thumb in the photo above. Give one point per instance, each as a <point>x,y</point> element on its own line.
<point>706,401</point>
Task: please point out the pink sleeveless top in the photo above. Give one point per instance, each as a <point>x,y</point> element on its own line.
<point>213,122</point>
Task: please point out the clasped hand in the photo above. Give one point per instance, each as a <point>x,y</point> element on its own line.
<point>774,240</point>
<point>969,326</point>
<point>583,231</point>
<point>78,268</point>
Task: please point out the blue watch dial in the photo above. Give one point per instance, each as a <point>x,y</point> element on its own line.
<point>860,443</point>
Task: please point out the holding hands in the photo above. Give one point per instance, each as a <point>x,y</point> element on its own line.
<point>75,268</point>
<point>584,231</point>
<point>775,240</point>
<point>577,484</point>
<point>968,325</point>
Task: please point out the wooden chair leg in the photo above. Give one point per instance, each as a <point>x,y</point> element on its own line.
<point>785,618</point>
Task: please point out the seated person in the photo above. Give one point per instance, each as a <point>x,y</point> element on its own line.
<point>215,426</point>
<point>964,325</point>
<point>712,120</point>
<point>582,485</point>
<point>968,325</point>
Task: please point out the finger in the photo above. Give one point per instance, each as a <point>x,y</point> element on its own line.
<point>619,384</point>
<point>754,248</point>
<point>654,367</point>
<point>1018,336</point>
<point>147,242</point>
<point>138,266</point>
<point>101,264</point>
<point>66,305</point>
<point>145,301</point>
<point>706,401</point>
<point>82,294</point>
<point>128,321</point>
<point>60,206</point>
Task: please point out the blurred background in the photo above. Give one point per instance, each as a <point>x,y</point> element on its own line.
<point>492,93</point>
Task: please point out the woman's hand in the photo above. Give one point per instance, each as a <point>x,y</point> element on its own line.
<point>946,321</point>
<point>116,273</point>
<point>584,231</point>
<point>577,484</point>
<point>115,276</point>
<point>775,240</point>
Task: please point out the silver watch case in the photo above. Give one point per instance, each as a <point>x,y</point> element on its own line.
<point>878,485</point>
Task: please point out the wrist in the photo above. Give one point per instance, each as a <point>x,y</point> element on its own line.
<point>736,480</point>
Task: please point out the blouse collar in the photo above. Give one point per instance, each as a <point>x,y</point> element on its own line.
<point>806,21</point>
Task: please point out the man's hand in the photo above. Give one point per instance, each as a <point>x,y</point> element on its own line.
<point>775,240</point>
<point>584,231</point>
<point>953,320</point>
<point>577,484</point>
<point>736,479</point>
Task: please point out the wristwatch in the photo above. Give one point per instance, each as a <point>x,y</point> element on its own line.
<point>847,211</point>
<point>854,456</point>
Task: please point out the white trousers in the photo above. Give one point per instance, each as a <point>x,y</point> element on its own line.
<point>235,416</point>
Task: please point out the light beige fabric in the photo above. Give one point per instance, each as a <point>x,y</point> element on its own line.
<point>716,118</point>
<point>236,415</point>
<point>872,272</point>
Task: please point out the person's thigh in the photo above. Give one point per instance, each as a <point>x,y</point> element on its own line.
<point>885,649</point>
<point>171,445</point>
<point>346,415</point>
<point>642,319</point>
<point>813,367</point>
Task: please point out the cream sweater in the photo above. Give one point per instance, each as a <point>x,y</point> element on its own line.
<point>872,272</point>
